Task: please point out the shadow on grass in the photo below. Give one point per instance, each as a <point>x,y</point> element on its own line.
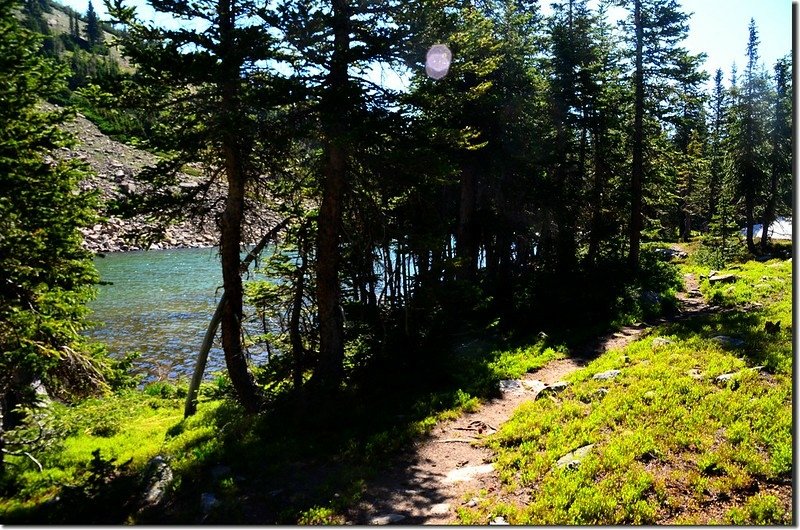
<point>758,348</point>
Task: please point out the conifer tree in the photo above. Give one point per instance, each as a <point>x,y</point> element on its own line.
<point>47,275</point>
<point>94,33</point>
<point>215,104</point>
<point>780,148</point>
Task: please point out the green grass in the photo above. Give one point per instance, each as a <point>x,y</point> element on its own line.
<point>666,445</point>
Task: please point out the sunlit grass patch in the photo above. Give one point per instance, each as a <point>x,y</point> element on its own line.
<point>668,436</point>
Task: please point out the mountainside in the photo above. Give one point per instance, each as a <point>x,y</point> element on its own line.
<point>115,165</point>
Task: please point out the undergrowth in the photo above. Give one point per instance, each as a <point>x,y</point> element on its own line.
<point>670,441</point>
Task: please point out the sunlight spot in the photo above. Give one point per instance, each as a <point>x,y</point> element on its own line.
<point>437,61</point>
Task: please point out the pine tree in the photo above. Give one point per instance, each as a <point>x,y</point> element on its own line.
<point>780,147</point>
<point>47,275</point>
<point>94,33</point>
<point>749,145</point>
<point>655,28</point>
<point>217,105</point>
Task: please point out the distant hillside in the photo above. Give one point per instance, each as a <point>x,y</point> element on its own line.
<point>58,22</point>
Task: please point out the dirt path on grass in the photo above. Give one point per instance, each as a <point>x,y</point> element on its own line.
<point>429,482</point>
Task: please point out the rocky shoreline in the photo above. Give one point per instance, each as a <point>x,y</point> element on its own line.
<point>114,166</point>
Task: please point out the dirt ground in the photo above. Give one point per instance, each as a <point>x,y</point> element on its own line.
<point>432,479</point>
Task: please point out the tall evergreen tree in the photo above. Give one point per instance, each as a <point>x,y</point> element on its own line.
<point>780,147</point>
<point>47,275</point>
<point>655,29</point>
<point>216,104</point>
<point>749,142</point>
<point>94,33</point>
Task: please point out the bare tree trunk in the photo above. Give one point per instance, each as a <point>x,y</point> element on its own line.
<point>466,244</point>
<point>330,371</point>
<point>638,145</point>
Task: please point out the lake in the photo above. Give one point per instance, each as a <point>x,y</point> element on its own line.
<point>158,302</point>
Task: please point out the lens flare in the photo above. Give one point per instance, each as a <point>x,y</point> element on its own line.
<point>437,61</point>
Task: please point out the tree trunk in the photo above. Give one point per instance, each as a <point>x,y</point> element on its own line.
<point>296,340</point>
<point>466,244</point>
<point>231,223</point>
<point>202,357</point>
<point>335,108</point>
<point>638,145</point>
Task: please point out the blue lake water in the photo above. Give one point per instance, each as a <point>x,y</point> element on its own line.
<point>159,303</point>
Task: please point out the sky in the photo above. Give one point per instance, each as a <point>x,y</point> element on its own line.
<point>717,27</point>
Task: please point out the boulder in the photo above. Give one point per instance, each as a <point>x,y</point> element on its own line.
<point>660,342</point>
<point>159,477</point>
<point>728,342</point>
<point>208,501</point>
<point>721,278</point>
<point>498,521</point>
<point>555,388</point>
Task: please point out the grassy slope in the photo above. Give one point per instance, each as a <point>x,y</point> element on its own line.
<point>668,448</point>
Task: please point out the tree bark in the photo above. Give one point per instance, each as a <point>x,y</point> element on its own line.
<point>231,223</point>
<point>466,240</point>
<point>638,145</point>
<point>335,108</point>
<point>202,357</point>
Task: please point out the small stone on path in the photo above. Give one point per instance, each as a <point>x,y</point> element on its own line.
<point>439,509</point>
<point>512,386</point>
<point>466,473</point>
<point>387,519</point>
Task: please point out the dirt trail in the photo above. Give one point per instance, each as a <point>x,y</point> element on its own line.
<point>429,482</point>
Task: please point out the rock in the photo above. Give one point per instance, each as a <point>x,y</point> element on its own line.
<point>721,278</point>
<point>220,471</point>
<point>555,388</point>
<point>694,373</point>
<point>467,473</point>
<point>390,518</point>
<point>439,509</point>
<point>208,501</point>
<point>473,502</point>
<point>728,342</point>
<point>601,392</point>
<point>573,459</point>
<point>512,386</point>
<point>498,521</point>
<point>724,378</point>
<point>651,297</point>
<point>660,342</point>
<point>534,385</point>
<point>667,254</point>
<point>608,374</point>
<point>160,476</point>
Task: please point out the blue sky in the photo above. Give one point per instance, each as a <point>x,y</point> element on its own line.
<point>717,27</point>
